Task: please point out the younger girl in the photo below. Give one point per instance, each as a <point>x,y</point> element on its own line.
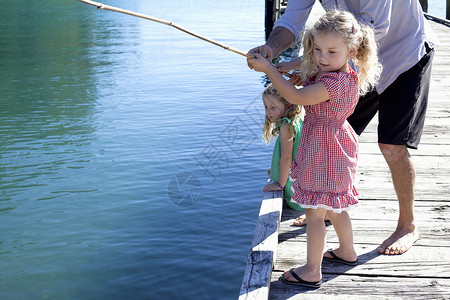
<point>325,165</point>
<point>282,119</point>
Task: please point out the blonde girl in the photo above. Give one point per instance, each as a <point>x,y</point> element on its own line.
<point>339,63</point>
<point>284,121</point>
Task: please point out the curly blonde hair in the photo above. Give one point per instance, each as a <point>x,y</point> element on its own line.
<point>357,36</point>
<point>292,112</point>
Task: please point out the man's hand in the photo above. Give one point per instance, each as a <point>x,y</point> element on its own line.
<point>280,38</point>
<point>264,51</point>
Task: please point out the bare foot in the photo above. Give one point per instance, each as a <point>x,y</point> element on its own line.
<point>304,274</point>
<point>399,242</point>
<point>301,221</point>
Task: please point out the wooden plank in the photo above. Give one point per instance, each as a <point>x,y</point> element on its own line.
<point>380,188</point>
<point>336,286</point>
<point>257,275</point>
<point>428,212</point>
<point>430,236</point>
<point>430,264</point>
<point>436,145</point>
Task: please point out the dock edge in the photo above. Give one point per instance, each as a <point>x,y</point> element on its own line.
<point>257,275</point>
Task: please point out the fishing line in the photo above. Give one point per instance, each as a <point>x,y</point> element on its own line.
<point>169,23</point>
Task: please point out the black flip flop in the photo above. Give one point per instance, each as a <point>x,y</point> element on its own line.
<point>337,259</point>
<point>301,282</point>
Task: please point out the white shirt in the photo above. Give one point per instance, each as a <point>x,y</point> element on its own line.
<point>401,29</point>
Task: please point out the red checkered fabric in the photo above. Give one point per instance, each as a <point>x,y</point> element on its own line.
<point>324,168</point>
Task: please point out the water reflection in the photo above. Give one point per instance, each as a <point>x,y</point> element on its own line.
<point>51,70</point>
<point>46,100</point>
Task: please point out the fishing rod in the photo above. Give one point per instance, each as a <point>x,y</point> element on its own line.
<point>170,23</point>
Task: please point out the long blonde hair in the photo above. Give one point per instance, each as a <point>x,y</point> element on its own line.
<point>356,36</point>
<point>292,112</point>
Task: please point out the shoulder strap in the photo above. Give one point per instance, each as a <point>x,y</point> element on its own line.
<point>284,120</point>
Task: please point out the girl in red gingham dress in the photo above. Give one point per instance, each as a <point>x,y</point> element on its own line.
<point>324,169</point>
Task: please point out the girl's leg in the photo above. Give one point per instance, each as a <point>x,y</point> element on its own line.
<point>343,227</point>
<point>315,238</point>
<point>301,220</point>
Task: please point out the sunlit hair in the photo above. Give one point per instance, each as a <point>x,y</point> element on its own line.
<point>356,36</point>
<point>292,112</point>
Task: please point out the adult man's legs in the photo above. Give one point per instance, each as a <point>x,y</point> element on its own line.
<point>402,108</point>
<point>402,115</point>
<point>403,177</point>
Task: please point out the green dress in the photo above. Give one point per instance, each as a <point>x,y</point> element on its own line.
<point>275,166</point>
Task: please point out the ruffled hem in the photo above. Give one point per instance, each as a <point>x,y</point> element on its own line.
<point>329,201</point>
<point>328,207</point>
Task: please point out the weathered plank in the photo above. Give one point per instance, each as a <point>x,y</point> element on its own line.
<point>428,236</point>
<point>420,262</point>
<point>369,237</point>
<point>428,212</point>
<point>257,276</point>
<point>338,286</point>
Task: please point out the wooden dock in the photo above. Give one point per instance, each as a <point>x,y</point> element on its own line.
<point>421,273</point>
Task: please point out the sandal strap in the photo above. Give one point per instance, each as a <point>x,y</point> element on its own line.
<point>291,271</point>
<point>332,254</point>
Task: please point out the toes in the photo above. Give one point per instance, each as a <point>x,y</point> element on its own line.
<point>389,251</point>
<point>288,276</point>
<point>392,251</point>
<point>300,221</point>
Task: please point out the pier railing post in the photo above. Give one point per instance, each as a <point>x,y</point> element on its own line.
<point>447,14</point>
<point>268,23</point>
<point>424,4</point>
